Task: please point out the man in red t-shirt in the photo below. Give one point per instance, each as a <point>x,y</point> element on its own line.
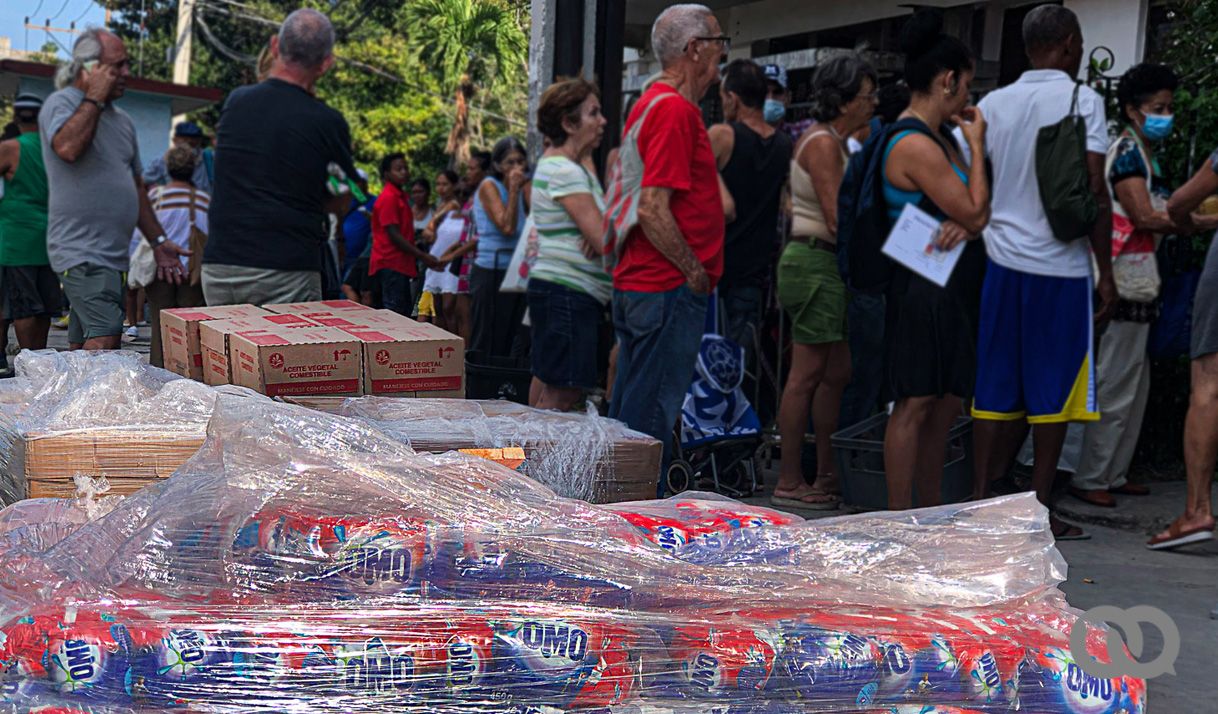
<point>394,259</point>
<point>672,261</point>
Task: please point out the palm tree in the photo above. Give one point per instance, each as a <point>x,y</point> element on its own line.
<point>469,44</point>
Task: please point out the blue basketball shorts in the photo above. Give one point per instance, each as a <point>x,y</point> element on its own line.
<point>1034,349</point>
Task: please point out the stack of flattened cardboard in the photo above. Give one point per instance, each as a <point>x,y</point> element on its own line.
<point>578,455</point>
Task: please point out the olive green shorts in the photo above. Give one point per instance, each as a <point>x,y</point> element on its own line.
<point>812,292</point>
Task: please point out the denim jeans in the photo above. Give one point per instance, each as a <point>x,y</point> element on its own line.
<point>865,315</point>
<point>395,291</point>
<point>658,336</point>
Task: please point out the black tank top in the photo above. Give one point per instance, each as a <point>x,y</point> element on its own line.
<point>755,175</point>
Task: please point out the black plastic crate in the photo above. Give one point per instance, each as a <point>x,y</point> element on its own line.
<point>496,378</point>
<point>859,453</point>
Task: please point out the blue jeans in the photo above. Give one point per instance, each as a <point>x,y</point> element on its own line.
<point>658,338</point>
<point>396,294</point>
<point>865,315</point>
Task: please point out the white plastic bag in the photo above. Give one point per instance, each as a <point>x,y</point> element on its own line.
<point>142,272</point>
<point>523,257</point>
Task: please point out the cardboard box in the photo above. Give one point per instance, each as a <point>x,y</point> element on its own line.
<point>180,334</point>
<point>302,361</point>
<point>320,307</point>
<point>400,358</point>
<point>213,340</point>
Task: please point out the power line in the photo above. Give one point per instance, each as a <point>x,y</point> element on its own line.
<point>88,7</point>
<point>61,9</point>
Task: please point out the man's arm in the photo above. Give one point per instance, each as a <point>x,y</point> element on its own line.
<point>167,253</point>
<point>409,248</point>
<point>660,227</point>
<point>722,141</point>
<point>75,137</point>
<point>10,151</point>
<point>1101,239</point>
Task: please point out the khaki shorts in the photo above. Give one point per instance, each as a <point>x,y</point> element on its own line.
<point>97,295</point>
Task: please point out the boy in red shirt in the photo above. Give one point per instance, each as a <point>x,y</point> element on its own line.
<point>395,256</point>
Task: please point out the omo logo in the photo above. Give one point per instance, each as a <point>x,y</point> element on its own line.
<point>669,538</point>
<point>896,660</point>
<point>1088,687</point>
<point>77,664</point>
<point>705,672</point>
<point>374,668</point>
<point>558,643</point>
<point>464,663</point>
<point>1130,622</point>
<point>382,357</point>
<point>370,564</point>
<point>183,651</point>
<point>276,360</point>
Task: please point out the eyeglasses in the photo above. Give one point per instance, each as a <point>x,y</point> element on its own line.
<point>724,39</point>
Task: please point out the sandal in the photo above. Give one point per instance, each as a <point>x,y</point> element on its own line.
<point>1174,537</point>
<point>1130,489</point>
<point>1065,531</point>
<point>821,501</point>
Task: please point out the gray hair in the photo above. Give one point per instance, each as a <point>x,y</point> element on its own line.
<point>674,29</point>
<point>837,82</point>
<point>88,48</point>
<point>1047,27</point>
<point>306,38</point>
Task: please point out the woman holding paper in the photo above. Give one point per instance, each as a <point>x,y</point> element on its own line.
<point>931,331</point>
<point>810,289</point>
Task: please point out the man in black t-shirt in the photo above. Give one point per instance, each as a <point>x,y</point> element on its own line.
<point>754,160</point>
<point>275,140</point>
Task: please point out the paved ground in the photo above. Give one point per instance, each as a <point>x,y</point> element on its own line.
<point>1115,568</point>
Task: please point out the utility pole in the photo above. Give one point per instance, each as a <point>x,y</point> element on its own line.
<point>182,46</point>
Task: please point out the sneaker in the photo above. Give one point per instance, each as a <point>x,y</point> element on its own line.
<point>61,323</point>
<point>132,332</point>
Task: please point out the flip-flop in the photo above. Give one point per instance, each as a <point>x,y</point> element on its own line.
<point>1130,489</point>
<point>827,505</point>
<point>1067,535</point>
<point>1176,537</point>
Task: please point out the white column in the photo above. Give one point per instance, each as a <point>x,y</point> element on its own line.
<point>182,47</point>
<point>541,64</point>
<point>1119,25</point>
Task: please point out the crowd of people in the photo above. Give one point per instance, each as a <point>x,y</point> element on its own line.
<point>1037,327</point>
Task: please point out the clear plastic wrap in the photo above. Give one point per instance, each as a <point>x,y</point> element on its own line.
<point>581,456</point>
<point>313,563</point>
<point>100,414</point>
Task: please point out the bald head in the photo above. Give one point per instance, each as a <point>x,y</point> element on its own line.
<point>96,45</point>
<point>306,39</point>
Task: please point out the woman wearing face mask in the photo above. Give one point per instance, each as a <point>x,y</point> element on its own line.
<point>1139,219</point>
<point>810,289</point>
<point>930,340</point>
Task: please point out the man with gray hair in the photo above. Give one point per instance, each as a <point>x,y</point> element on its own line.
<point>1036,305</point>
<point>672,260</point>
<point>274,145</point>
<point>97,196</point>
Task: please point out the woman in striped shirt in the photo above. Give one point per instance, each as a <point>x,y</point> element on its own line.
<point>568,287</point>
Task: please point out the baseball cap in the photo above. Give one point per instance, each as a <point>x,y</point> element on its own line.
<point>776,74</point>
<point>188,129</point>
<point>25,100</point>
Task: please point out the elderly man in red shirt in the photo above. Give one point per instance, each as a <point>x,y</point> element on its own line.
<point>395,257</point>
<point>671,262</point>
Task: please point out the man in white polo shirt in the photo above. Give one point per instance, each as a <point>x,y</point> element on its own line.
<point>1034,361</point>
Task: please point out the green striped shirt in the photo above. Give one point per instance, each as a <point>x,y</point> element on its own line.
<point>559,258</point>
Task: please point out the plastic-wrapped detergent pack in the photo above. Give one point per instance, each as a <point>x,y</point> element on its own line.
<point>302,562</point>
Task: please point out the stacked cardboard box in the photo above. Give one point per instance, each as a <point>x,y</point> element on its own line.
<point>180,334</point>
<point>316,349</point>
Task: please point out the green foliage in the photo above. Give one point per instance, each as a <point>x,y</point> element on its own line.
<point>405,103</point>
<point>1190,51</point>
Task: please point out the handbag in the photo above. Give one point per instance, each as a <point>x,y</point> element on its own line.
<point>1135,268</point>
<point>516,280</point>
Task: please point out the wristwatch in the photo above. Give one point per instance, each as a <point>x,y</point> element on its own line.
<point>94,102</point>
<point>159,240</point>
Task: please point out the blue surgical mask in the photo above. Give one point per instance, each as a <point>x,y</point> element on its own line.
<point>1157,127</point>
<point>774,111</point>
